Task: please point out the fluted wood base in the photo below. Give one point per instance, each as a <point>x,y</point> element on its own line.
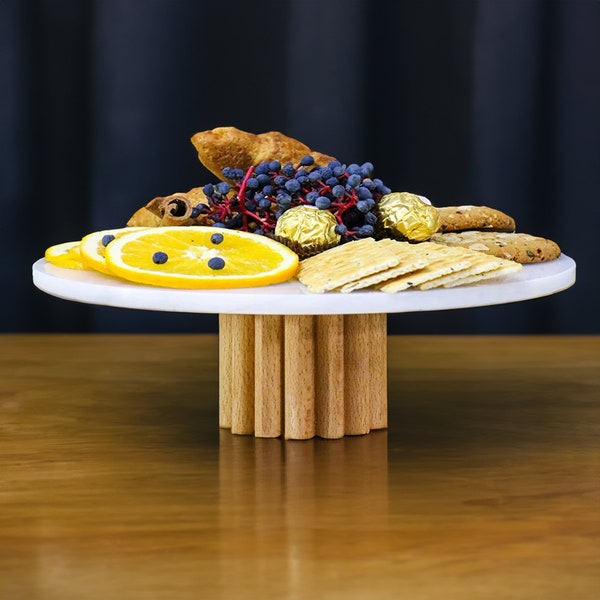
<point>301,376</point>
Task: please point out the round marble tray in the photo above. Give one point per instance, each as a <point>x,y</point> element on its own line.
<point>292,298</point>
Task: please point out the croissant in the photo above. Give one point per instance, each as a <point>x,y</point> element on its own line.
<point>230,147</point>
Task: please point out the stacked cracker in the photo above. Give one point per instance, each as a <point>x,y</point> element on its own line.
<point>393,266</point>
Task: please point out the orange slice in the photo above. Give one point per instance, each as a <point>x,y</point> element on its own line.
<point>93,247</point>
<point>66,255</point>
<point>200,258</point>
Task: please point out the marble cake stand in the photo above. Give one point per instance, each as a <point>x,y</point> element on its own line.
<point>295,364</point>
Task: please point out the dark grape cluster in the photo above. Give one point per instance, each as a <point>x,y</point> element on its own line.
<point>255,199</point>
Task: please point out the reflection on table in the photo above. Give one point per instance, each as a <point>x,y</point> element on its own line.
<point>116,482</point>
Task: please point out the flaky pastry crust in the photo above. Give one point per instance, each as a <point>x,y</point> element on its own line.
<point>231,147</point>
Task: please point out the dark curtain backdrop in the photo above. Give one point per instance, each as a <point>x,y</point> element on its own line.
<point>464,101</point>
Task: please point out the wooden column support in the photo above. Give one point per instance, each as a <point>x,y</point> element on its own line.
<point>301,376</point>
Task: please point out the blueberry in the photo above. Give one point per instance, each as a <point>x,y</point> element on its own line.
<point>263,179</point>
<point>107,239</point>
<point>331,181</point>
<point>326,173</point>
<point>268,190</point>
<point>216,263</point>
<point>315,175</point>
<point>338,191</point>
<point>312,196</point>
<point>288,169</point>
<point>223,188</point>
<point>275,166</point>
<point>362,206</point>
<point>306,161</point>
<point>380,187</point>
<point>208,190</point>
<point>354,180</point>
<point>252,183</point>
<point>160,258</point>
<point>280,180</point>
<point>341,229</point>
<point>322,202</point>
<point>216,238</point>
<point>262,168</point>
<point>292,186</point>
<point>367,169</point>
<point>338,171</point>
<point>370,218</point>
<point>364,193</point>
<point>368,183</point>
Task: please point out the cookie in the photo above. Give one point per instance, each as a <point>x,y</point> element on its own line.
<point>519,247</point>
<point>478,218</point>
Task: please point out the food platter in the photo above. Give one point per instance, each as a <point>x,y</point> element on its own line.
<point>292,298</point>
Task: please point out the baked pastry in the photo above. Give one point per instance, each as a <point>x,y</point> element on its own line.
<point>520,247</point>
<point>470,217</point>
<point>230,147</point>
<point>174,209</point>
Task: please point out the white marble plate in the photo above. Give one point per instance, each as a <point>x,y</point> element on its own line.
<point>290,298</point>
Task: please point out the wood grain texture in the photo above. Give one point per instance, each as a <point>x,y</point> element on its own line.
<point>377,324</point>
<point>357,374</point>
<point>299,377</point>
<point>116,481</point>
<point>329,376</point>
<point>268,379</point>
<point>240,379</point>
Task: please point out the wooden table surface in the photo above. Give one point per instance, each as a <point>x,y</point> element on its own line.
<point>115,481</point>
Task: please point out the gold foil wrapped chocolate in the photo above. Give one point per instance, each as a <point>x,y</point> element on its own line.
<point>307,230</point>
<point>404,215</point>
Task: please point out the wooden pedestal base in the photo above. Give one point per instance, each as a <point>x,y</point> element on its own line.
<point>301,376</point>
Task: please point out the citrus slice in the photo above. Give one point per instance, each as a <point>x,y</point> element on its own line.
<point>200,258</point>
<point>65,255</point>
<point>93,247</point>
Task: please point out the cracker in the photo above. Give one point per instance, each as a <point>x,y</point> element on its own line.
<point>410,261</point>
<point>440,261</point>
<point>480,264</point>
<point>507,267</point>
<point>348,262</point>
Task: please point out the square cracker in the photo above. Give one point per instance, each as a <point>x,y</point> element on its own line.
<point>338,266</point>
<point>507,266</point>
<point>479,264</point>
<point>439,262</point>
<point>410,261</point>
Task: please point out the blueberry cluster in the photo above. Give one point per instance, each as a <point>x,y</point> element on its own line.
<point>255,199</point>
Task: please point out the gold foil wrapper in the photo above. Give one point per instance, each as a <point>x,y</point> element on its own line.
<point>405,215</point>
<point>307,230</point>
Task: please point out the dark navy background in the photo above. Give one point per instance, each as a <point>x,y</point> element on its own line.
<point>463,101</point>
